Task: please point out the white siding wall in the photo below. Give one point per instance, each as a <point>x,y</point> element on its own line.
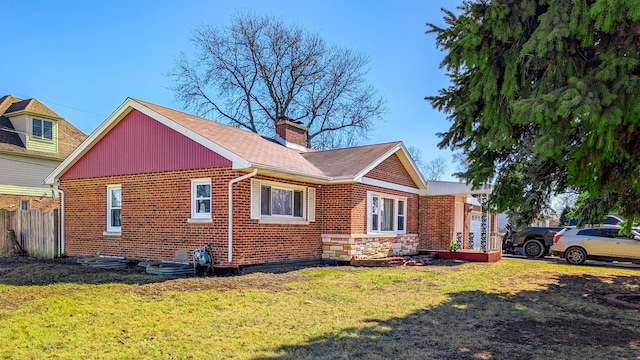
<point>20,123</point>
<point>23,172</point>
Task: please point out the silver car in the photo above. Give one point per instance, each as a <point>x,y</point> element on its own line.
<point>603,243</point>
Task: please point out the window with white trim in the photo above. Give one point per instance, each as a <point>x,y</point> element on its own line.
<point>114,208</point>
<point>201,198</point>
<point>386,213</point>
<point>401,215</point>
<point>277,201</point>
<point>42,129</point>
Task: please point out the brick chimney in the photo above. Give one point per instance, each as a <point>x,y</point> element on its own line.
<point>291,133</point>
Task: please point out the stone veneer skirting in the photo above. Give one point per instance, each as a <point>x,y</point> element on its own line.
<point>368,246</point>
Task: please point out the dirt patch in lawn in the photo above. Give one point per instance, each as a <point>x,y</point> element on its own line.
<point>31,271</point>
<point>25,271</point>
<point>579,332</point>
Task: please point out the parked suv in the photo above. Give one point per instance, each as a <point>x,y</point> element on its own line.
<point>598,243</point>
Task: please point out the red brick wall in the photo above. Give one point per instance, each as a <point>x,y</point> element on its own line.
<point>392,170</point>
<point>260,243</point>
<point>13,202</point>
<point>436,222</point>
<point>334,212</point>
<point>156,206</point>
<point>344,208</point>
<point>155,209</point>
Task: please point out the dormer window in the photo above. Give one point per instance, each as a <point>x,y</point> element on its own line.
<point>42,129</point>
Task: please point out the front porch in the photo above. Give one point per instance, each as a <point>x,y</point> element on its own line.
<point>467,255</point>
<point>457,223</point>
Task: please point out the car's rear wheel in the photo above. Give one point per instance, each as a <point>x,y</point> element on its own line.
<point>534,248</point>
<point>575,255</point>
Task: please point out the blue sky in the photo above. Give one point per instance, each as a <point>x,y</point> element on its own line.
<point>84,58</point>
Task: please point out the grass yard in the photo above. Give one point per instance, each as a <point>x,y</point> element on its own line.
<point>507,310</point>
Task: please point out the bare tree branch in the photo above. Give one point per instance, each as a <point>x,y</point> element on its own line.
<point>258,69</point>
<point>432,170</point>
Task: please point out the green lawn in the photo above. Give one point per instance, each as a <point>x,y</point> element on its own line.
<point>510,309</point>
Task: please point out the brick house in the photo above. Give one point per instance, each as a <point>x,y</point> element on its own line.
<point>34,140</point>
<point>150,182</point>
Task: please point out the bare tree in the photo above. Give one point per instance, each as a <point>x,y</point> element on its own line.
<point>258,70</point>
<point>435,168</point>
<point>462,162</point>
<point>432,170</point>
<point>416,155</point>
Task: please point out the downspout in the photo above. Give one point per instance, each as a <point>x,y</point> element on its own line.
<point>61,252</point>
<point>230,230</point>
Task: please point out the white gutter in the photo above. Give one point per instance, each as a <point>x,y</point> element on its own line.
<point>230,230</point>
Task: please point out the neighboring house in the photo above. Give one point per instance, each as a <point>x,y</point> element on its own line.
<point>34,140</point>
<point>151,182</point>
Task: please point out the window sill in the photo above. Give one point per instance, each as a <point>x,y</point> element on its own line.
<point>284,222</point>
<point>199,220</point>
<point>42,140</point>
<point>112,233</point>
<point>385,234</point>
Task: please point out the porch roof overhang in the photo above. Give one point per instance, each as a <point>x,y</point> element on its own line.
<point>455,188</point>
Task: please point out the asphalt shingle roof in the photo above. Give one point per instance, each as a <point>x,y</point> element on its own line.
<point>69,137</point>
<point>8,134</point>
<point>340,163</point>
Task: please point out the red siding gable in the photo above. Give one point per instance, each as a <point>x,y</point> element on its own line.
<point>140,144</point>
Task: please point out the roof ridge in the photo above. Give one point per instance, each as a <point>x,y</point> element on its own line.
<point>357,147</point>
<point>143,102</point>
<point>32,105</point>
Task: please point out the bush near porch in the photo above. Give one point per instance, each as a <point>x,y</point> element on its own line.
<point>53,309</point>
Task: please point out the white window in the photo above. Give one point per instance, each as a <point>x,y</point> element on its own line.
<point>401,216</point>
<point>275,201</point>
<point>114,208</point>
<point>42,129</point>
<point>386,213</point>
<point>201,199</point>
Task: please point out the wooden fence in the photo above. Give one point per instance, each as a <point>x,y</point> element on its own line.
<point>36,232</point>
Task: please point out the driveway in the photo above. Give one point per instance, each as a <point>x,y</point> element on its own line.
<point>557,260</point>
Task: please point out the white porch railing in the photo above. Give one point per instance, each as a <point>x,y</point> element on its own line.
<point>493,242</point>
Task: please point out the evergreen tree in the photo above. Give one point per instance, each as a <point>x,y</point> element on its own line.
<point>545,97</point>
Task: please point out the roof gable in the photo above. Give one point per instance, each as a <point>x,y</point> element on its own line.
<point>32,106</point>
<point>392,170</point>
<point>353,160</point>
<point>156,148</point>
<point>255,150</point>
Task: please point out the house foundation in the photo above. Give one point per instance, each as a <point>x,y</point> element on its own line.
<point>367,246</point>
